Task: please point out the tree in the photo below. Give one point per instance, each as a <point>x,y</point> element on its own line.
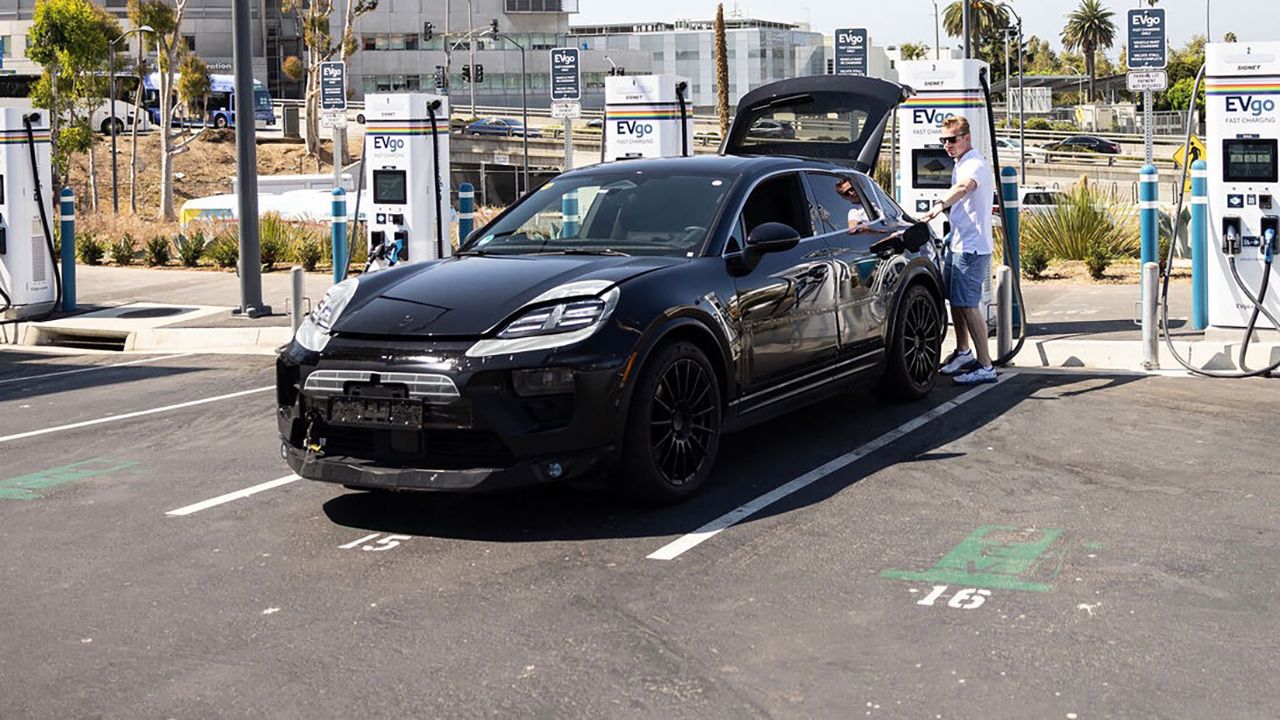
<point>1229,37</point>
<point>1089,27</point>
<point>1178,95</point>
<point>914,51</point>
<point>722,72</point>
<point>987,23</point>
<point>293,68</point>
<point>169,46</point>
<point>194,87</point>
<point>315,19</point>
<point>69,39</point>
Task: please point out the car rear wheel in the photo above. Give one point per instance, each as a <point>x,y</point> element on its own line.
<point>673,431</point>
<point>106,126</point>
<point>916,347</point>
<point>220,122</point>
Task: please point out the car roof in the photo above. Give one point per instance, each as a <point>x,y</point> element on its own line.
<point>752,165</point>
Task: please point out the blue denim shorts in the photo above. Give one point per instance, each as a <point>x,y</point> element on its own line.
<point>966,274</point>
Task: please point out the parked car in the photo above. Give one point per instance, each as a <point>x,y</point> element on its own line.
<point>1010,152</point>
<point>1082,144</point>
<point>124,117</point>
<point>694,296</point>
<point>1033,200</point>
<point>773,129</point>
<point>501,127</point>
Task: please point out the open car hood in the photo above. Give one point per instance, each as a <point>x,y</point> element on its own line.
<point>834,118</point>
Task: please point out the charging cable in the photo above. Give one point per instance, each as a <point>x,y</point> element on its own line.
<point>1008,244</point>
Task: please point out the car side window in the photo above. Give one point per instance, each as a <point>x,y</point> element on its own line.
<point>779,199</point>
<point>875,211</point>
<point>832,210</point>
<point>889,209</point>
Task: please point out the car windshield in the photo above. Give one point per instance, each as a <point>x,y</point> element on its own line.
<point>623,212</point>
<point>261,100</point>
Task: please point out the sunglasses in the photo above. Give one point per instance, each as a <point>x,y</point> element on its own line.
<point>948,139</point>
<point>849,193</point>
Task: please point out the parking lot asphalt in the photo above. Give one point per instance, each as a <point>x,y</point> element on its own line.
<point>1058,545</point>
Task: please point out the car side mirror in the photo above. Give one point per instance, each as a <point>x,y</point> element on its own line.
<point>772,237</point>
<point>917,236</point>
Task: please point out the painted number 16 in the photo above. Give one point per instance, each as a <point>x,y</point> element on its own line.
<point>966,599</point>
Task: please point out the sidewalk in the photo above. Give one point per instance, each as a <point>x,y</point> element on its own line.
<point>170,310</point>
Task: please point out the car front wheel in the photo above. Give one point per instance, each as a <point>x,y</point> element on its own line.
<point>916,346</point>
<point>673,430</point>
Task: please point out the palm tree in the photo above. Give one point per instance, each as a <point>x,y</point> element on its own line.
<point>1089,27</point>
<point>914,51</point>
<point>986,20</point>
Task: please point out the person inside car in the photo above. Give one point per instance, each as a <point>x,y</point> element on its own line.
<point>857,218</point>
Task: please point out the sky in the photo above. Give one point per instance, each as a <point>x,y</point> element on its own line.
<point>899,21</point>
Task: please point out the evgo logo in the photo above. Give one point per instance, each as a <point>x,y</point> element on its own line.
<point>382,142</point>
<point>850,39</point>
<point>925,116</point>
<point>1249,104</point>
<point>632,127</point>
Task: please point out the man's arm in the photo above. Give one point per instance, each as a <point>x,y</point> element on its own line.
<point>957,191</point>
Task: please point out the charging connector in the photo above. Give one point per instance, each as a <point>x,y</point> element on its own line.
<point>1230,235</point>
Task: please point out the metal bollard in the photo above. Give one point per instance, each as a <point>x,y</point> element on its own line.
<point>67,233</point>
<point>1149,226</point>
<point>339,234</point>
<point>1150,336</point>
<point>466,211</point>
<point>1012,227</point>
<point>1199,245</point>
<point>1004,310</point>
<point>297,278</point>
<point>569,215</point>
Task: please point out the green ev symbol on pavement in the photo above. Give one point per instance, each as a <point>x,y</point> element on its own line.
<point>998,557</point>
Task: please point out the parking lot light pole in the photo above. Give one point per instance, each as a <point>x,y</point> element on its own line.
<point>111,60</point>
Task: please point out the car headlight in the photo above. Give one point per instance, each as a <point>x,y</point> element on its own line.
<point>313,333</point>
<point>571,320</point>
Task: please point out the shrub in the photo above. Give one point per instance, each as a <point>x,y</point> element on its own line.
<point>224,251</point>
<point>1034,260</point>
<point>89,249</point>
<point>124,250</point>
<point>157,251</point>
<point>1039,124</point>
<point>307,250</point>
<point>1098,259</point>
<point>191,247</point>
<point>1063,126</point>
<point>274,238</point>
<point>1084,216</point>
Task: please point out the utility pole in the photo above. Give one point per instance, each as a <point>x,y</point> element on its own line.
<point>448,50</point>
<point>966,30</point>
<point>471,57</point>
<point>251,305</point>
<point>937,32</point>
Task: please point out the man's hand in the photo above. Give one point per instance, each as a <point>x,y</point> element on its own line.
<point>856,227</point>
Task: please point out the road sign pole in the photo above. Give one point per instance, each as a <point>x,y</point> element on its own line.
<point>1147,119</point>
<point>568,144</point>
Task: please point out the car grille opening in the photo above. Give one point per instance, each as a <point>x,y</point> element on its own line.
<point>431,449</point>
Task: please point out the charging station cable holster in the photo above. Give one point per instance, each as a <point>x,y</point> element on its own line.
<point>1231,235</point>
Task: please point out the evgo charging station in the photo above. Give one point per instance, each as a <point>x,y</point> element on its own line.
<point>28,273</point>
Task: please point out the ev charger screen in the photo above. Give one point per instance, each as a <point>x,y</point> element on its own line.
<point>931,169</point>
<point>390,187</point>
<point>1249,160</point>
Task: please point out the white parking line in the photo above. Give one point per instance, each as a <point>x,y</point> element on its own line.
<point>140,413</point>
<point>678,547</point>
<point>214,502</point>
<point>91,369</point>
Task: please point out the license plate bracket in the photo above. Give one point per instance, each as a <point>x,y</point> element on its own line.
<point>398,413</point>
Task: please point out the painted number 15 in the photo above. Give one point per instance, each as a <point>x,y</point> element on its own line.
<point>376,542</point>
<point>966,599</point>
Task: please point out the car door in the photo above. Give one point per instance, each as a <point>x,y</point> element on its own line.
<point>785,301</point>
<point>857,269</point>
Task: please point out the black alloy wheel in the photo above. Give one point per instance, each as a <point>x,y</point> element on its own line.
<point>915,349</point>
<point>220,121</point>
<point>673,433</point>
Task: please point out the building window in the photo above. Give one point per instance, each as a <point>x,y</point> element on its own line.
<point>554,6</point>
<point>191,42</point>
<point>6,46</point>
<point>411,42</point>
<point>369,42</point>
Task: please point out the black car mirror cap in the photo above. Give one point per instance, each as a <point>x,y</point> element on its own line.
<point>772,237</point>
<point>917,236</point>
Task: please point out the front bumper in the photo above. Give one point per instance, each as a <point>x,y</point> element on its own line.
<point>486,437</point>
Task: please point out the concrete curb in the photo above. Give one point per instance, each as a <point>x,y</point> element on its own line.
<point>1127,354</point>
<point>234,341</point>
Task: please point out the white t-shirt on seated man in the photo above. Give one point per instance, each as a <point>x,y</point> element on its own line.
<point>858,216</point>
<point>969,200</point>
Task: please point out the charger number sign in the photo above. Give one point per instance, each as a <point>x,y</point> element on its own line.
<point>566,81</point>
<point>851,51</point>
<point>1147,39</point>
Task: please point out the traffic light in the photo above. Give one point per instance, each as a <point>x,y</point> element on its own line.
<point>617,71</point>
<point>439,76</point>
<point>466,73</point>
<point>479,73</point>
<point>428,32</point>
<point>493,27</point>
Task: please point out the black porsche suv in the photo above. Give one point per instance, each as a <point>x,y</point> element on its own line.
<point>615,322</point>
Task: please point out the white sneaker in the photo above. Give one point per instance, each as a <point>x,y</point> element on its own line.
<point>957,361</point>
<point>977,376</point>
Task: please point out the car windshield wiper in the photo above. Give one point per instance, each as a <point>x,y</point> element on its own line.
<point>586,251</point>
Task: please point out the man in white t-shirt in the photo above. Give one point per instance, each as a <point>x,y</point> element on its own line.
<point>858,217</point>
<point>969,200</point>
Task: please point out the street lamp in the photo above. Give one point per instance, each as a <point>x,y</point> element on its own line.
<point>1022,95</point>
<point>115,181</point>
<point>524,98</point>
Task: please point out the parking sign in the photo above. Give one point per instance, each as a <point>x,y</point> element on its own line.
<point>1147,39</point>
<point>851,51</point>
<point>333,86</point>
<point>565,79</point>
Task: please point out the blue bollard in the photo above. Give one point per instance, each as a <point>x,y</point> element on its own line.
<point>1012,228</point>
<point>1148,207</point>
<point>466,211</point>
<point>68,234</point>
<point>569,215</point>
<point>1199,245</point>
<point>339,234</point>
